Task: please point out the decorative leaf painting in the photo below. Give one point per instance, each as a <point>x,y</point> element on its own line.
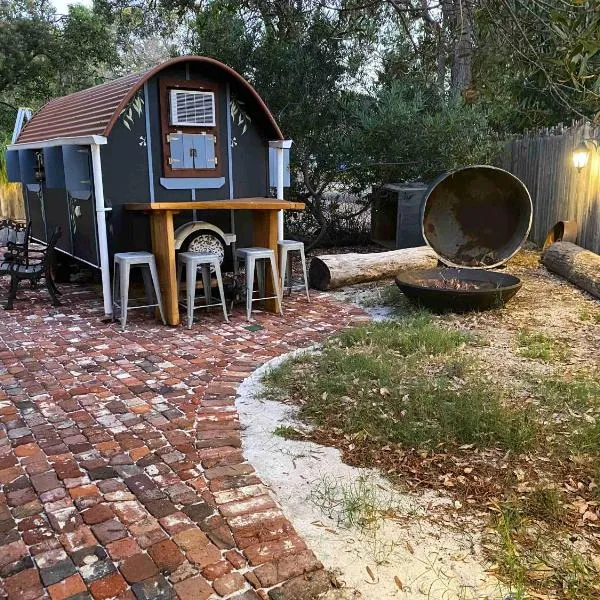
<point>239,116</point>
<point>133,110</point>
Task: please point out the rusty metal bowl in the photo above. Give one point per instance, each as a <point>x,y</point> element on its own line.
<point>476,217</point>
<point>458,290</point>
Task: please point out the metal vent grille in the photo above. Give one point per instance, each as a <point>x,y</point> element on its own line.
<point>192,108</point>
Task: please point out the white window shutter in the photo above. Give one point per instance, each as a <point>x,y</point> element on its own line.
<point>192,108</point>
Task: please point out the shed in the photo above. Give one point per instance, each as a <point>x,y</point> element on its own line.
<point>191,129</point>
<point>396,214</point>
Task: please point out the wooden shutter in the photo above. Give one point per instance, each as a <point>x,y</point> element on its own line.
<point>204,146</point>
<point>176,159</point>
<point>189,150</point>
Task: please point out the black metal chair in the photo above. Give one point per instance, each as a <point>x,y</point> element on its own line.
<point>31,265</point>
<point>14,232</point>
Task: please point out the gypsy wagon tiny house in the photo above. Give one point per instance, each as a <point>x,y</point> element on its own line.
<point>190,129</point>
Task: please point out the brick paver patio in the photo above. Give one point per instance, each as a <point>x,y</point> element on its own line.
<point>121,470</point>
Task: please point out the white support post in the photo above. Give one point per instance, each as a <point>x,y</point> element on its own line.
<point>101,222</point>
<point>279,146</point>
<point>279,152</point>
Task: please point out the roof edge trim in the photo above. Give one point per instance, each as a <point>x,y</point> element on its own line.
<point>80,140</point>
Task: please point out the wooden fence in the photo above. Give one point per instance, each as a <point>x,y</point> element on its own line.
<point>543,161</point>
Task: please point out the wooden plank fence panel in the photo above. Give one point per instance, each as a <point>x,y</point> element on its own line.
<point>543,161</point>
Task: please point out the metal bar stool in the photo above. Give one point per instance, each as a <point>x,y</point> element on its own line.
<point>191,261</point>
<point>256,260</point>
<point>285,266</point>
<point>123,262</point>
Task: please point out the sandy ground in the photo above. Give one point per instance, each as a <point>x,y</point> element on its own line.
<point>421,559</point>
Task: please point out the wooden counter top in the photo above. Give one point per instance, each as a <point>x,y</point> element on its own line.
<point>235,204</point>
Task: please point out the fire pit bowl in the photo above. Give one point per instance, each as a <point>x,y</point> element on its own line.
<point>458,290</point>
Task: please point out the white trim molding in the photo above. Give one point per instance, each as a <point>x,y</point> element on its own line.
<point>81,140</point>
<point>280,146</point>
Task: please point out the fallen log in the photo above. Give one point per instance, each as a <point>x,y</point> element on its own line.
<point>331,271</point>
<point>574,263</point>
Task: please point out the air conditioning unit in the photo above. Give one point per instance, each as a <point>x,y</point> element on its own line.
<point>192,108</point>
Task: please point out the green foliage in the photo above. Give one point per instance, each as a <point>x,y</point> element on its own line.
<point>538,62</point>
<point>421,134</point>
<point>43,55</point>
<point>531,557</point>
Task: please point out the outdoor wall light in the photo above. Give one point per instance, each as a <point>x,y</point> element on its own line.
<point>581,154</point>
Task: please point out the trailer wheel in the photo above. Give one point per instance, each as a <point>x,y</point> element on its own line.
<point>204,241</point>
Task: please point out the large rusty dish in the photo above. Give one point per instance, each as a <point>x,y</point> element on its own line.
<point>458,290</point>
<point>476,217</point>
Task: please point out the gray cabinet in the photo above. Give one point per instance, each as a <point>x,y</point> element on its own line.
<point>396,215</point>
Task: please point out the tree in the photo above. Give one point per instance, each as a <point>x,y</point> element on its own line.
<point>43,55</point>
<point>542,57</point>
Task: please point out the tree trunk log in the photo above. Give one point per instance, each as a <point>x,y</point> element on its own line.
<point>575,264</point>
<point>331,271</point>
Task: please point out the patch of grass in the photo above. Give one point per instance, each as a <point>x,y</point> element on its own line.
<point>532,559</point>
<point>416,333</point>
<point>577,402</point>
<point>288,433</point>
<point>507,556</point>
<point>586,438</point>
<point>545,504</point>
<point>539,346</point>
<point>590,315</point>
<point>360,504</point>
<point>375,382</point>
<point>580,393</point>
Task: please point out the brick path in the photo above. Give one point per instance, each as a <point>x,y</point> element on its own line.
<point>121,471</point>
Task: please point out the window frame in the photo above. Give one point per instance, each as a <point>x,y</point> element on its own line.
<point>200,85</point>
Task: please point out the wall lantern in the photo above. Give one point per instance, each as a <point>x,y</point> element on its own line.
<point>581,154</point>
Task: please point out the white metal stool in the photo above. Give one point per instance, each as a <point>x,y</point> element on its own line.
<point>191,261</point>
<point>285,264</point>
<point>123,262</point>
<point>256,259</point>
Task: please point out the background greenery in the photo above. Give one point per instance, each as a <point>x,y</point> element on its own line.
<point>369,91</point>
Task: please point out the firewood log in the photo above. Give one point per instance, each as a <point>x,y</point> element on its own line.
<point>330,271</point>
<point>574,263</point>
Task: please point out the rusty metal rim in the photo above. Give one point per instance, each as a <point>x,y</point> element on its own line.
<point>447,174</point>
<point>562,231</point>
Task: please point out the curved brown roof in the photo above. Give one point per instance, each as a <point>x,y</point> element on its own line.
<point>95,110</point>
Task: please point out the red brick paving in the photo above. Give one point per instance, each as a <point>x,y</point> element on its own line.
<point>121,470</point>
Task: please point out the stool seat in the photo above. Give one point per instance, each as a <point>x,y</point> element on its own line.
<point>191,261</point>
<point>255,252</point>
<point>285,264</point>
<point>295,244</point>
<point>256,259</point>
<point>123,262</point>
<point>134,258</point>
